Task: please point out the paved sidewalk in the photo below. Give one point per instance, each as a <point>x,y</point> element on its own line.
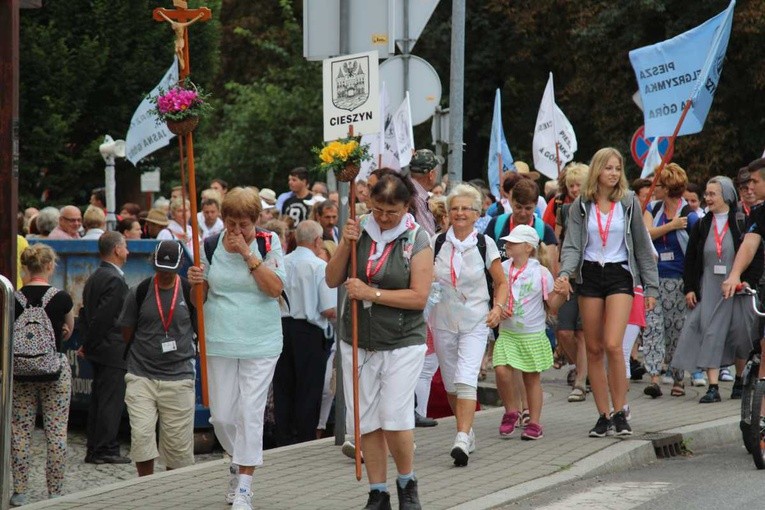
<point>317,476</point>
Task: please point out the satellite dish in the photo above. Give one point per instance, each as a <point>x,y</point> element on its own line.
<point>112,148</point>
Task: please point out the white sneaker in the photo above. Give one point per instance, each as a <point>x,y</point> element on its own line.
<point>697,379</point>
<point>233,483</point>
<point>461,449</point>
<point>242,501</point>
<point>471,443</point>
<point>725,375</point>
<point>667,379</point>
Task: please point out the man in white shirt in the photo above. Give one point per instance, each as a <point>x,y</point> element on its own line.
<point>299,377</point>
<point>210,222</point>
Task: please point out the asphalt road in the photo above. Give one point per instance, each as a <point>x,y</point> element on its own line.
<point>724,477</point>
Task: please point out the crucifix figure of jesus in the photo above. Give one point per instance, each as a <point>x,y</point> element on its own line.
<point>180,18</point>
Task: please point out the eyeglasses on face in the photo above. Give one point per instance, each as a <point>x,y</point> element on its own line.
<point>386,214</point>
<point>462,209</point>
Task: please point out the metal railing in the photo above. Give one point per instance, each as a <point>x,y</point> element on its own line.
<point>6,388</point>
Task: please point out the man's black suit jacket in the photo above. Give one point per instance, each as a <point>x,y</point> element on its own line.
<point>102,300</point>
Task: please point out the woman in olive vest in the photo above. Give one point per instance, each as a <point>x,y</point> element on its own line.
<point>392,282</point>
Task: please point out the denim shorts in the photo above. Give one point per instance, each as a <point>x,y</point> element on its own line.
<point>603,281</point>
<point>568,314</point>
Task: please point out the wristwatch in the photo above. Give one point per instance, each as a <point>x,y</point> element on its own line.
<point>378,295</point>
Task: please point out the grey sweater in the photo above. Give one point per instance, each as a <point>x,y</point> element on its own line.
<point>640,255</point>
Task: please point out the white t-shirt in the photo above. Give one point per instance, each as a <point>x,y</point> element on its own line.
<point>463,307</point>
<point>529,314</point>
<point>616,249</point>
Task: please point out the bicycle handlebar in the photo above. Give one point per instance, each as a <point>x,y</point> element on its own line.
<point>743,290</point>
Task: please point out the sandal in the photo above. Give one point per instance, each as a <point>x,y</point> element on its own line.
<point>678,390</point>
<point>578,394</point>
<point>653,390</point>
<point>571,377</point>
<point>524,418</point>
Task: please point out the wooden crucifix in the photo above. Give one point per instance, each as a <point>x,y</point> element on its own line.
<point>180,18</point>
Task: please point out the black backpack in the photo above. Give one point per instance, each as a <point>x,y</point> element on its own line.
<point>482,250</point>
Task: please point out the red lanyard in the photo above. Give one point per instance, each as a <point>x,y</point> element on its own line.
<point>512,222</point>
<point>604,233</point>
<point>747,210</point>
<point>373,272</point>
<point>719,237</point>
<point>511,278</point>
<point>166,324</point>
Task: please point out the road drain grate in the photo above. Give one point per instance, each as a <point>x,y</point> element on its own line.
<point>664,445</point>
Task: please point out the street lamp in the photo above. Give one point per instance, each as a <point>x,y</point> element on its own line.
<point>109,150</point>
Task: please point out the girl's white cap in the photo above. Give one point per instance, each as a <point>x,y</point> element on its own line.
<point>522,234</point>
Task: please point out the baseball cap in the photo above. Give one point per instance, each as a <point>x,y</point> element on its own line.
<point>522,234</point>
<point>157,217</point>
<point>424,160</point>
<point>167,256</point>
<point>743,176</point>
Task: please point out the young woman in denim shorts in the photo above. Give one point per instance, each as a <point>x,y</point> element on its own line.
<point>608,252</point>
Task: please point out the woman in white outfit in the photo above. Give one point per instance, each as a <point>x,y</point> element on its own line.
<point>462,318</point>
<point>243,333</point>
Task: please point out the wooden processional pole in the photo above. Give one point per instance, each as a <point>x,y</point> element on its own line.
<point>180,18</point>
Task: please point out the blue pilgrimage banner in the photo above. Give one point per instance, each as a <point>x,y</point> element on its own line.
<point>688,66</point>
<point>498,146</point>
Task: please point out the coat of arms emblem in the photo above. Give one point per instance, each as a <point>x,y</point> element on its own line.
<point>350,83</point>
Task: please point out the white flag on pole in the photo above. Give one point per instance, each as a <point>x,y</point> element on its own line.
<point>144,135</point>
<point>652,160</point>
<point>552,127</point>
<point>376,141</point>
<point>402,125</point>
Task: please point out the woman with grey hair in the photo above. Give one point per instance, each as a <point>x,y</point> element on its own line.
<point>465,262</point>
<point>47,220</point>
<point>717,331</point>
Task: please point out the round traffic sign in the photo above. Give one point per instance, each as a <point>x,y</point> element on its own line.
<point>640,146</point>
<point>424,85</point>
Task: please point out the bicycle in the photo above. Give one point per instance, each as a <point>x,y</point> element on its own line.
<point>752,422</point>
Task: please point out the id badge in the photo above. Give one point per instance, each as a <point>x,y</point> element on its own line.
<point>721,269</point>
<point>169,346</point>
<point>667,256</point>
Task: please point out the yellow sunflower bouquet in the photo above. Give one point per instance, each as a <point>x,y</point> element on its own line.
<point>343,156</point>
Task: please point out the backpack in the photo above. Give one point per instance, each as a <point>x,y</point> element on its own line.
<point>441,238</point>
<point>263,238</point>
<point>142,292</point>
<point>35,353</point>
<point>502,219</point>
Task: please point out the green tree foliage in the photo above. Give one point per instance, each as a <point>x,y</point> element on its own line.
<point>270,112</point>
<point>85,67</point>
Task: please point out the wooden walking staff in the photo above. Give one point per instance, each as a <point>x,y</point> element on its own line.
<point>670,147</point>
<point>355,329</point>
<point>180,18</point>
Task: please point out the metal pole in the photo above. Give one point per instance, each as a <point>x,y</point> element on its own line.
<point>456,91</point>
<point>406,51</point>
<point>6,389</point>
<point>111,185</point>
<point>343,189</point>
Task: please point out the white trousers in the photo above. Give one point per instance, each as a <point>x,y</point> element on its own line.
<point>238,390</point>
<point>422,391</point>
<point>328,395</point>
<point>460,355</point>
<point>386,387</point>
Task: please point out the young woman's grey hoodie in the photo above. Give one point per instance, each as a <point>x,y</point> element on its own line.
<point>640,255</point>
